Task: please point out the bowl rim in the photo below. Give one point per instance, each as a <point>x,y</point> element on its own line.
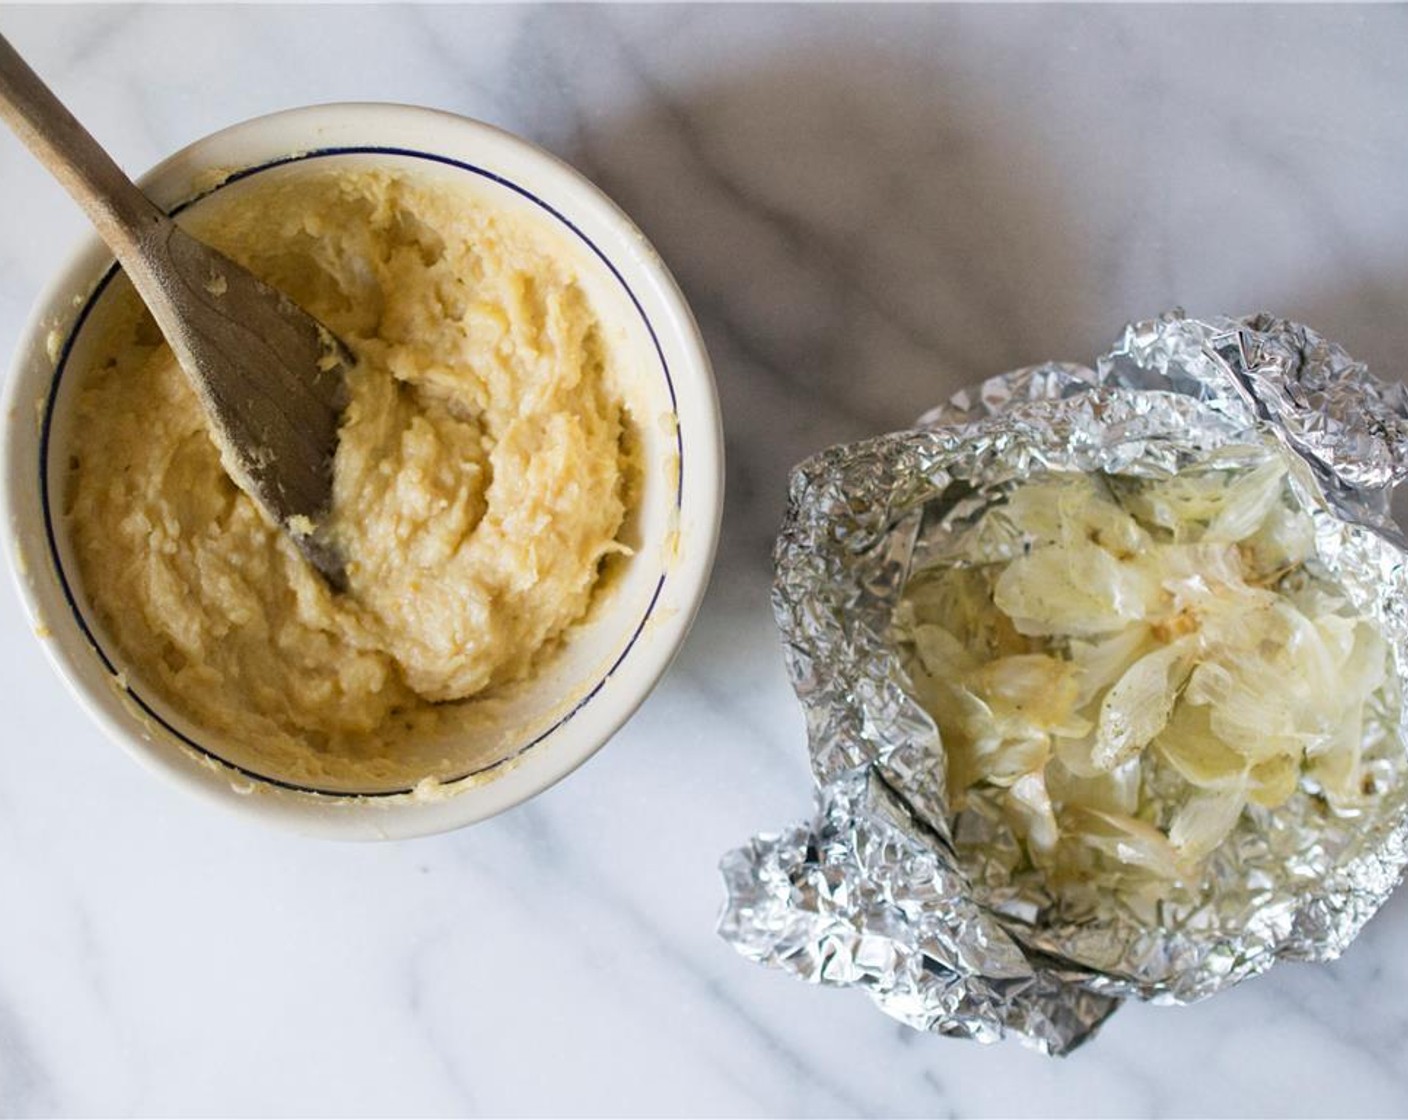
<point>72,650</point>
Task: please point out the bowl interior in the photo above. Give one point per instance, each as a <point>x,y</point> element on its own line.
<point>583,690</point>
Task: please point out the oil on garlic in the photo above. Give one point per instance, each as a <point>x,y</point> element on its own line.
<point>1124,665</point>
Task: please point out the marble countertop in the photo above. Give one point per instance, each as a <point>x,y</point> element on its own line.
<point>866,208</point>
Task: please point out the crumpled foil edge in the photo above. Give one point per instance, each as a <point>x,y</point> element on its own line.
<point>868,893</point>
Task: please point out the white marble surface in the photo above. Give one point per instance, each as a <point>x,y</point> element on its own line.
<point>866,206</point>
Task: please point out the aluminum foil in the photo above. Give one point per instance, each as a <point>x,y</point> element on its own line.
<point>871,893</point>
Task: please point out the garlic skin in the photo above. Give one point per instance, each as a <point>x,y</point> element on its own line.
<point>986,876</point>
<point>1114,636</point>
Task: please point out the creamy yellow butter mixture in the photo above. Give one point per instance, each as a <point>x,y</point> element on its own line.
<point>478,480</point>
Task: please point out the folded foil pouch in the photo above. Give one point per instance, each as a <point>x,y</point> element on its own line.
<point>1102,673</point>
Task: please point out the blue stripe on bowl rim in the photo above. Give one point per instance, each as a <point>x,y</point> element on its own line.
<point>52,539</point>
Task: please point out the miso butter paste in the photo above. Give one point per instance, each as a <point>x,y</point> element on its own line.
<point>479,477</point>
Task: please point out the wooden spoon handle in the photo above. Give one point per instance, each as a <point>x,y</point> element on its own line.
<point>125,218</point>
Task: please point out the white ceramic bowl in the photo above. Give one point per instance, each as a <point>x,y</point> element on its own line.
<point>583,693</point>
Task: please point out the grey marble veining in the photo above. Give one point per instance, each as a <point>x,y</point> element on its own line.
<point>866,206</point>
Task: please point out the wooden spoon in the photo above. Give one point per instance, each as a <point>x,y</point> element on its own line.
<point>270,376</point>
